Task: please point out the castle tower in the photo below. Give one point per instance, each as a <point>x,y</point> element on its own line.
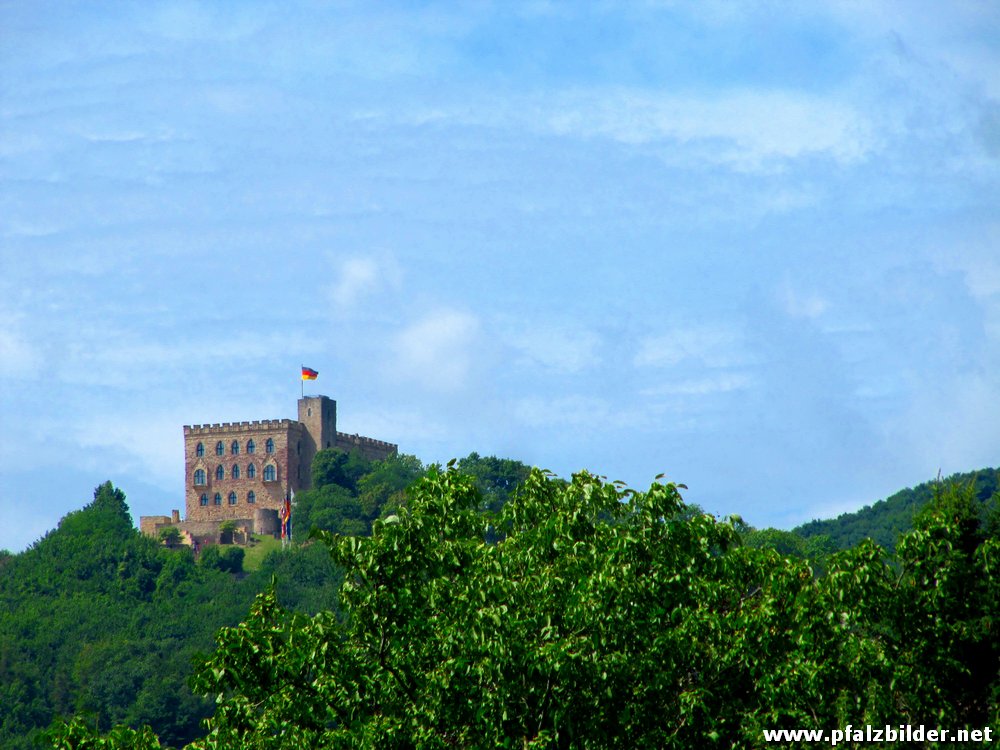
<point>318,414</point>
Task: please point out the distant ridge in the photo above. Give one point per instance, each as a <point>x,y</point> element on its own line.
<point>887,519</point>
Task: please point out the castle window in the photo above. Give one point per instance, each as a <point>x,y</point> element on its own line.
<point>200,450</point>
<point>235,448</point>
<point>309,412</point>
<point>270,474</point>
<point>269,446</point>
<point>232,498</point>
<point>251,471</point>
<point>236,471</point>
<point>217,500</point>
<point>204,499</point>
<point>219,448</point>
<point>220,473</point>
<point>298,448</point>
<point>251,446</point>
<point>251,497</point>
<point>199,476</point>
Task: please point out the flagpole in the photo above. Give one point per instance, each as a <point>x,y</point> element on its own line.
<point>302,383</point>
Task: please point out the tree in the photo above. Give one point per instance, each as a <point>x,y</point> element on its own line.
<point>334,466</point>
<point>496,478</point>
<point>591,622</point>
<point>603,617</point>
<point>170,535</point>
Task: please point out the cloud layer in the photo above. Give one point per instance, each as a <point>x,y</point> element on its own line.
<point>750,245</point>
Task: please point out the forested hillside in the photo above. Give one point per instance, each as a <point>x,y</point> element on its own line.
<point>587,615</point>
<point>885,520</point>
<point>495,581</point>
<point>97,619</point>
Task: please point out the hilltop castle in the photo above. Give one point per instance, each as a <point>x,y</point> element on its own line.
<point>241,471</point>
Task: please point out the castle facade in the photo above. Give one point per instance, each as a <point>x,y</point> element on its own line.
<point>242,471</point>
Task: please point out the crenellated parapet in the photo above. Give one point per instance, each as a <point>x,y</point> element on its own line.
<point>368,447</point>
<point>234,470</point>
<point>260,425</point>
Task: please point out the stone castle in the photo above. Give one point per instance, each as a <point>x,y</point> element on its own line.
<point>242,471</point>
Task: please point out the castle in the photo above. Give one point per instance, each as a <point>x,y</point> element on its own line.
<point>242,471</point>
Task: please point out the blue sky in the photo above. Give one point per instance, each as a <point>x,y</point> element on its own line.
<point>754,246</point>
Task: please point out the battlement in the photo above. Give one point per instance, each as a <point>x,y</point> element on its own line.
<point>373,450</point>
<point>257,425</point>
<point>235,469</point>
<point>362,440</point>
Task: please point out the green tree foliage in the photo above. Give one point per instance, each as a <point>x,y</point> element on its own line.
<point>170,536</point>
<point>816,549</point>
<point>609,618</point>
<point>884,521</point>
<point>79,734</point>
<point>350,492</point>
<point>495,478</point>
<point>332,466</point>
<point>98,619</point>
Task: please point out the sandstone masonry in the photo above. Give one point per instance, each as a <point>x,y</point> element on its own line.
<point>242,471</point>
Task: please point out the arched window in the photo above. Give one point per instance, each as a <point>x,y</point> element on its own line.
<point>219,448</point>
<point>269,446</point>
<point>235,448</point>
<point>251,497</point>
<point>251,446</point>
<point>199,476</point>
<point>220,473</point>
<point>217,500</point>
<point>232,498</point>
<point>270,474</point>
<point>200,450</point>
<point>204,499</point>
<point>251,471</point>
<point>236,471</point>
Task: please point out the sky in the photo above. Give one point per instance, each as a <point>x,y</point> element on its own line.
<point>754,247</point>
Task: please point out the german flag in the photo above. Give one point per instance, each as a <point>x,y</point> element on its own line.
<point>286,516</point>
<point>309,373</point>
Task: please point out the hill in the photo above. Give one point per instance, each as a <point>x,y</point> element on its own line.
<point>96,618</point>
<point>886,519</point>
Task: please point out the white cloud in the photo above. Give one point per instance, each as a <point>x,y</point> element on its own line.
<point>748,130</point>
<point>958,34</point>
<point>133,365</point>
<point>799,304</point>
<point>359,278</point>
<point>585,415</point>
<point>565,411</point>
<point>189,21</point>
<point>953,424</point>
<point>744,129</point>
<point>150,447</point>
<point>723,383</point>
<point>437,351</point>
<point>707,345</point>
<point>18,356</point>
<point>556,347</point>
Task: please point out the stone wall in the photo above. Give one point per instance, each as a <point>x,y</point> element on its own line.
<point>373,450</point>
<point>287,459</point>
<point>295,443</point>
